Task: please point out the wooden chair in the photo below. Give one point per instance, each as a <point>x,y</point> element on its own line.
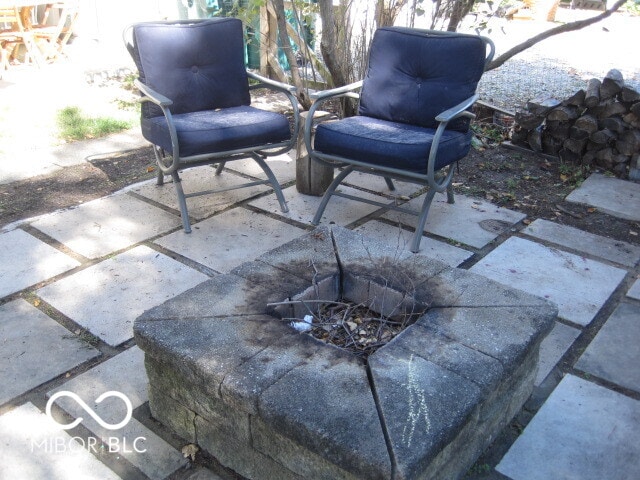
<point>13,35</point>
<point>52,39</point>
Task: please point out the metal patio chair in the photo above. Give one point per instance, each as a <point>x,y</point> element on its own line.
<point>196,101</point>
<point>413,115</point>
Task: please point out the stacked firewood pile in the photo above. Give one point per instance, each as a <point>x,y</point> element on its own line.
<point>599,125</point>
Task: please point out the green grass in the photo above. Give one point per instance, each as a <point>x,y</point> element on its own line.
<point>74,125</point>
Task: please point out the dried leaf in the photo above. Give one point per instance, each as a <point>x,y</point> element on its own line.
<point>189,451</point>
<point>151,169</point>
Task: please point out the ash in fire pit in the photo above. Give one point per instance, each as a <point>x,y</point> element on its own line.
<point>360,326</point>
<point>228,373</point>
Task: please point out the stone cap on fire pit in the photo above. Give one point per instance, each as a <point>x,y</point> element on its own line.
<point>391,415</point>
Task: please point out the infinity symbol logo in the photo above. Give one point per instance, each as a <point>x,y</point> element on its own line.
<point>88,409</point>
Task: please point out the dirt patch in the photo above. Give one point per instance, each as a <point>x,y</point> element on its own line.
<point>74,185</point>
<point>536,186</point>
<point>520,181</point>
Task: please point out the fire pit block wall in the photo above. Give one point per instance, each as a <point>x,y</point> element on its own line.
<point>226,371</point>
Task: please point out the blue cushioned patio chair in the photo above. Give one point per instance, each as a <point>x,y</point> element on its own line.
<point>196,103</point>
<point>413,115</point>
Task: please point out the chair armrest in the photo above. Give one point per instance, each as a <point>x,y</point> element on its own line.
<point>319,98</point>
<point>323,95</point>
<point>270,83</point>
<point>443,118</point>
<point>152,95</point>
<point>459,109</point>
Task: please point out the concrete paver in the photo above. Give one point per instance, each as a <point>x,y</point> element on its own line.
<point>125,374</point>
<point>613,354</point>
<point>378,185</point>
<point>225,241</point>
<point>199,179</point>
<point>283,167</point>
<point>25,333</point>
<point>468,221</point>
<point>634,291</point>
<point>611,195</point>
<point>302,208</point>
<point>578,285</point>
<point>25,261</point>
<point>553,348</point>
<point>107,297</point>
<point>582,432</point>
<point>34,447</point>
<point>606,248</point>
<point>106,225</point>
<point>429,247</point>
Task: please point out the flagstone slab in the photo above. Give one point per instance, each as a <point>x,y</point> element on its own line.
<point>302,208</point>
<point>124,374</point>
<point>28,440</point>
<point>25,261</point>
<point>25,334</point>
<point>229,239</point>
<point>469,221</point>
<point>634,291</point>
<point>582,432</point>
<point>614,354</point>
<point>620,198</point>
<point>554,347</point>
<point>107,297</point>
<point>378,185</point>
<point>602,247</point>
<point>200,179</point>
<point>400,238</point>
<point>106,225</point>
<point>578,285</point>
<point>283,167</point>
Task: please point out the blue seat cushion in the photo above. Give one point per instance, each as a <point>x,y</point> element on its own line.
<point>389,144</point>
<point>414,75</point>
<point>213,131</point>
<point>198,64</point>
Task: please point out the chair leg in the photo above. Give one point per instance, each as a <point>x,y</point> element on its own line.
<point>450,198</point>
<point>273,181</point>
<point>422,219</point>
<point>182,202</point>
<point>159,153</point>
<point>327,195</point>
<point>390,184</point>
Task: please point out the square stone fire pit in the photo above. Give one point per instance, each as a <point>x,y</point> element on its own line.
<point>228,372</point>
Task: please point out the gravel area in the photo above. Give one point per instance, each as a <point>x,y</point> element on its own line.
<point>560,65</point>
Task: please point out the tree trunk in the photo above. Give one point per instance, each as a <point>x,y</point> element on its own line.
<point>302,94</point>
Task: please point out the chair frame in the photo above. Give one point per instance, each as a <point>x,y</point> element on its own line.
<point>171,165</point>
<point>55,37</point>
<point>436,181</point>
<point>15,37</point>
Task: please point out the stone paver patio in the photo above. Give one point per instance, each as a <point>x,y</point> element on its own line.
<point>66,321</point>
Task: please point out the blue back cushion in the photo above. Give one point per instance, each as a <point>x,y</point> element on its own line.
<point>413,76</point>
<point>199,64</point>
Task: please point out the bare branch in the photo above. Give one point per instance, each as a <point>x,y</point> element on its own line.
<point>567,27</point>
